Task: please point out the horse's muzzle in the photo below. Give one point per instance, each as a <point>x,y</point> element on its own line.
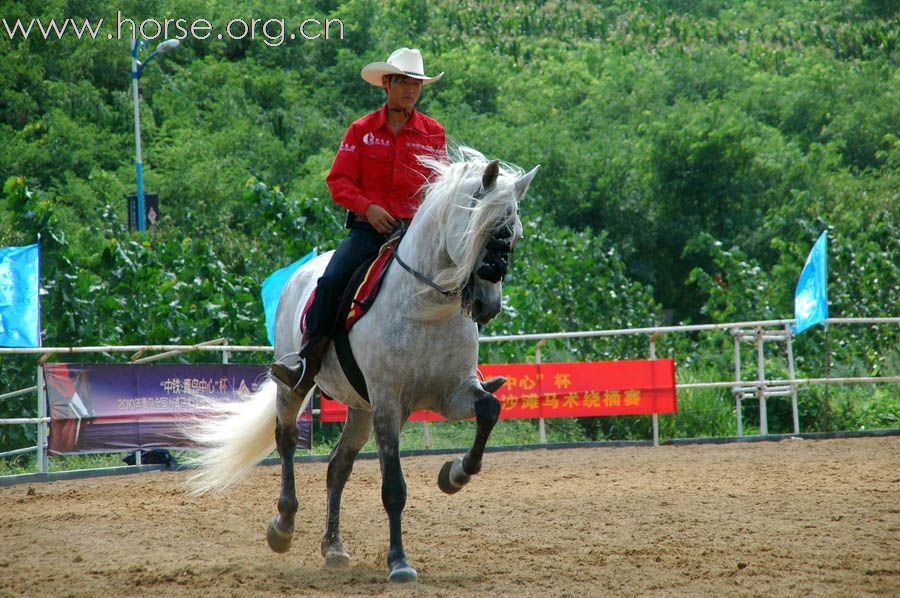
<point>484,311</point>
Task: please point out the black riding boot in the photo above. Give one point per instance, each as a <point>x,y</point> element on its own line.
<point>362,243</point>
<point>307,367</point>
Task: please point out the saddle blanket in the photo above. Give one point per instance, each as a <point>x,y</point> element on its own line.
<point>365,284</point>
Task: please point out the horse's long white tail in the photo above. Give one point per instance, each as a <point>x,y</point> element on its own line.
<point>234,438</point>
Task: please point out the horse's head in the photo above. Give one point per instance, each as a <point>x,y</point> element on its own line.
<point>483,294</point>
<point>480,229</point>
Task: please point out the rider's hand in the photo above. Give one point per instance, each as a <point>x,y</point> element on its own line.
<point>380,219</point>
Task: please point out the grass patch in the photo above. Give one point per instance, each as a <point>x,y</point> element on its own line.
<point>27,463</point>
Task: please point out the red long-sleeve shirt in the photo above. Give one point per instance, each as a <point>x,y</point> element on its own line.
<point>373,166</point>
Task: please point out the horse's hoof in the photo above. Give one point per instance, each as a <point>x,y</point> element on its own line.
<point>337,560</point>
<point>403,575</point>
<point>494,384</point>
<point>453,476</point>
<point>278,540</point>
<point>444,482</point>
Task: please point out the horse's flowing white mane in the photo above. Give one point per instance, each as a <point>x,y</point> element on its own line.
<point>450,197</point>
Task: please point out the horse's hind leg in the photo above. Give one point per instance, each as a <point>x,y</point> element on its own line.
<point>457,473</point>
<point>355,435</point>
<point>388,422</point>
<point>281,531</point>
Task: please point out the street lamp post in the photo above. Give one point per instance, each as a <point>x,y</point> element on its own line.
<point>137,67</point>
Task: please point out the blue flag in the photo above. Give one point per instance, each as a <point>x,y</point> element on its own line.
<point>811,295</point>
<point>271,291</point>
<point>20,303</point>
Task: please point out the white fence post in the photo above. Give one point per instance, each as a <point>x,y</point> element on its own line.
<point>738,411</point>
<point>42,429</point>
<point>761,377</point>
<point>655,416</point>
<point>542,430</point>
<point>790,355</point>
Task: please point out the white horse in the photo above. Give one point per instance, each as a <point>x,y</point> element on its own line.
<point>417,348</point>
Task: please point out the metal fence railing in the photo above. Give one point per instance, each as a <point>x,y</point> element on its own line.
<point>757,333</point>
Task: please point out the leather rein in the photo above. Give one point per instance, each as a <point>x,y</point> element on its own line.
<point>421,277</point>
<point>492,268</point>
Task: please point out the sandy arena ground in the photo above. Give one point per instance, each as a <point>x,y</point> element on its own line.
<point>791,518</point>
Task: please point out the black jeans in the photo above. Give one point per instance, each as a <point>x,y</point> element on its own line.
<point>360,245</point>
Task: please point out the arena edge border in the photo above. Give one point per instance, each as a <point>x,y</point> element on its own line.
<point>77,474</point>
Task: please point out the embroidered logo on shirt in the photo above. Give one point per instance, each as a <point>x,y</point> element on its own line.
<point>421,146</point>
<point>347,147</point>
<point>370,139</point>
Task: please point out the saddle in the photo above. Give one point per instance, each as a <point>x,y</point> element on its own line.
<point>360,294</point>
<point>356,300</point>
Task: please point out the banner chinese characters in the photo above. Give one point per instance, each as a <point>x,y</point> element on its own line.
<point>126,407</point>
<point>578,389</point>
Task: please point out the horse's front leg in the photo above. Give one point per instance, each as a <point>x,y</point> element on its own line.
<point>456,473</point>
<point>388,421</point>
<point>281,530</point>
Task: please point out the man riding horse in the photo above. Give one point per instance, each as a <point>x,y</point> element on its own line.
<point>377,176</point>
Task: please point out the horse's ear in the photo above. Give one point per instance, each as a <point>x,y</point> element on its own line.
<point>491,172</point>
<point>523,182</point>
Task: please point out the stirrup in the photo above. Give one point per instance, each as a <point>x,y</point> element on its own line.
<point>300,364</point>
<point>302,374</point>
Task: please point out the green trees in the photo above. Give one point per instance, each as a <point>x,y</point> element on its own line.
<point>691,153</point>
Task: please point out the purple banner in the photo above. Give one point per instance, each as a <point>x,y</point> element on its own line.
<point>126,407</point>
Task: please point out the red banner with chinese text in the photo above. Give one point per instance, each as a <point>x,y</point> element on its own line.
<point>578,389</point>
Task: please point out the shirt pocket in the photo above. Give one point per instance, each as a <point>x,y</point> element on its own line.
<point>378,165</point>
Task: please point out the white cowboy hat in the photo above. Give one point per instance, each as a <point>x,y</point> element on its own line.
<point>401,62</point>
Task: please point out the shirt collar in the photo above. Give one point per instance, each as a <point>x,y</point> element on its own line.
<point>381,117</point>
<point>414,122</point>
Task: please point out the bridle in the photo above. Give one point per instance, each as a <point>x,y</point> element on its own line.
<point>493,266</point>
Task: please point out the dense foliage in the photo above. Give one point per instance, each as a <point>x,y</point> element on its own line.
<point>691,153</point>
